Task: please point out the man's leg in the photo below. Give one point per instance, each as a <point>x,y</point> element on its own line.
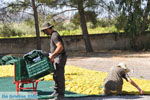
<point>119,90</point>
<point>107,92</point>
<point>59,77</point>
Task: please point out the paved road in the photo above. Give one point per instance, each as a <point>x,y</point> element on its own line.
<point>136,97</point>
<point>114,98</point>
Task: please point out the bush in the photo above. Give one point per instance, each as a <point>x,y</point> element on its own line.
<point>68,32</point>
<point>21,29</point>
<point>106,22</point>
<point>70,26</point>
<point>8,31</point>
<point>90,25</point>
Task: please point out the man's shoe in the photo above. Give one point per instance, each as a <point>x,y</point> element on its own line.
<point>54,94</point>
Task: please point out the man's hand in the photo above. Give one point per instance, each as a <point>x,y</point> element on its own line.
<point>51,57</point>
<point>141,91</point>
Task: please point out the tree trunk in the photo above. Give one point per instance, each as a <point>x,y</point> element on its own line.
<point>84,27</point>
<point>145,16</point>
<point>36,25</point>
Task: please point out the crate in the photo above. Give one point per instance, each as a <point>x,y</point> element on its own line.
<point>20,70</point>
<point>32,56</point>
<point>40,68</point>
<point>32,66</point>
<point>24,71</point>
<point>8,59</point>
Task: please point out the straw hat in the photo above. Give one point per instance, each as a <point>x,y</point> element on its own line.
<point>46,26</point>
<point>123,65</point>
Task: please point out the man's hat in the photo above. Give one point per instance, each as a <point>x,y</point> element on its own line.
<point>123,65</point>
<point>46,26</point>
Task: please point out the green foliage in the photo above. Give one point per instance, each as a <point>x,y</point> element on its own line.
<point>134,18</point>
<point>106,22</point>
<point>69,3</point>
<point>90,16</point>
<point>68,32</point>
<point>29,22</point>
<point>48,2</point>
<point>97,30</point>
<point>76,19</point>
<point>16,30</point>
<point>69,26</point>
<point>23,29</point>
<point>8,31</point>
<point>121,22</point>
<point>90,25</point>
<point>27,30</point>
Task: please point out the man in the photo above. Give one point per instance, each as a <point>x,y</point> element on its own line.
<point>114,80</point>
<point>58,57</point>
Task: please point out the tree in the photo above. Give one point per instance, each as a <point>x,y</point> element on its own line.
<point>134,18</point>
<point>36,24</point>
<point>80,6</point>
<point>84,26</point>
<point>20,6</point>
<point>90,16</point>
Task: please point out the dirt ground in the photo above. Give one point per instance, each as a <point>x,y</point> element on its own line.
<point>138,62</point>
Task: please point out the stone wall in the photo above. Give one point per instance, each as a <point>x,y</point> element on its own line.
<point>109,41</point>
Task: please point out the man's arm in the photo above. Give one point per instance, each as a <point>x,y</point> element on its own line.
<point>135,85</point>
<point>59,48</point>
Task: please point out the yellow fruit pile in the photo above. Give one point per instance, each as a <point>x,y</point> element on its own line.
<point>6,70</point>
<point>90,82</point>
<point>84,81</point>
